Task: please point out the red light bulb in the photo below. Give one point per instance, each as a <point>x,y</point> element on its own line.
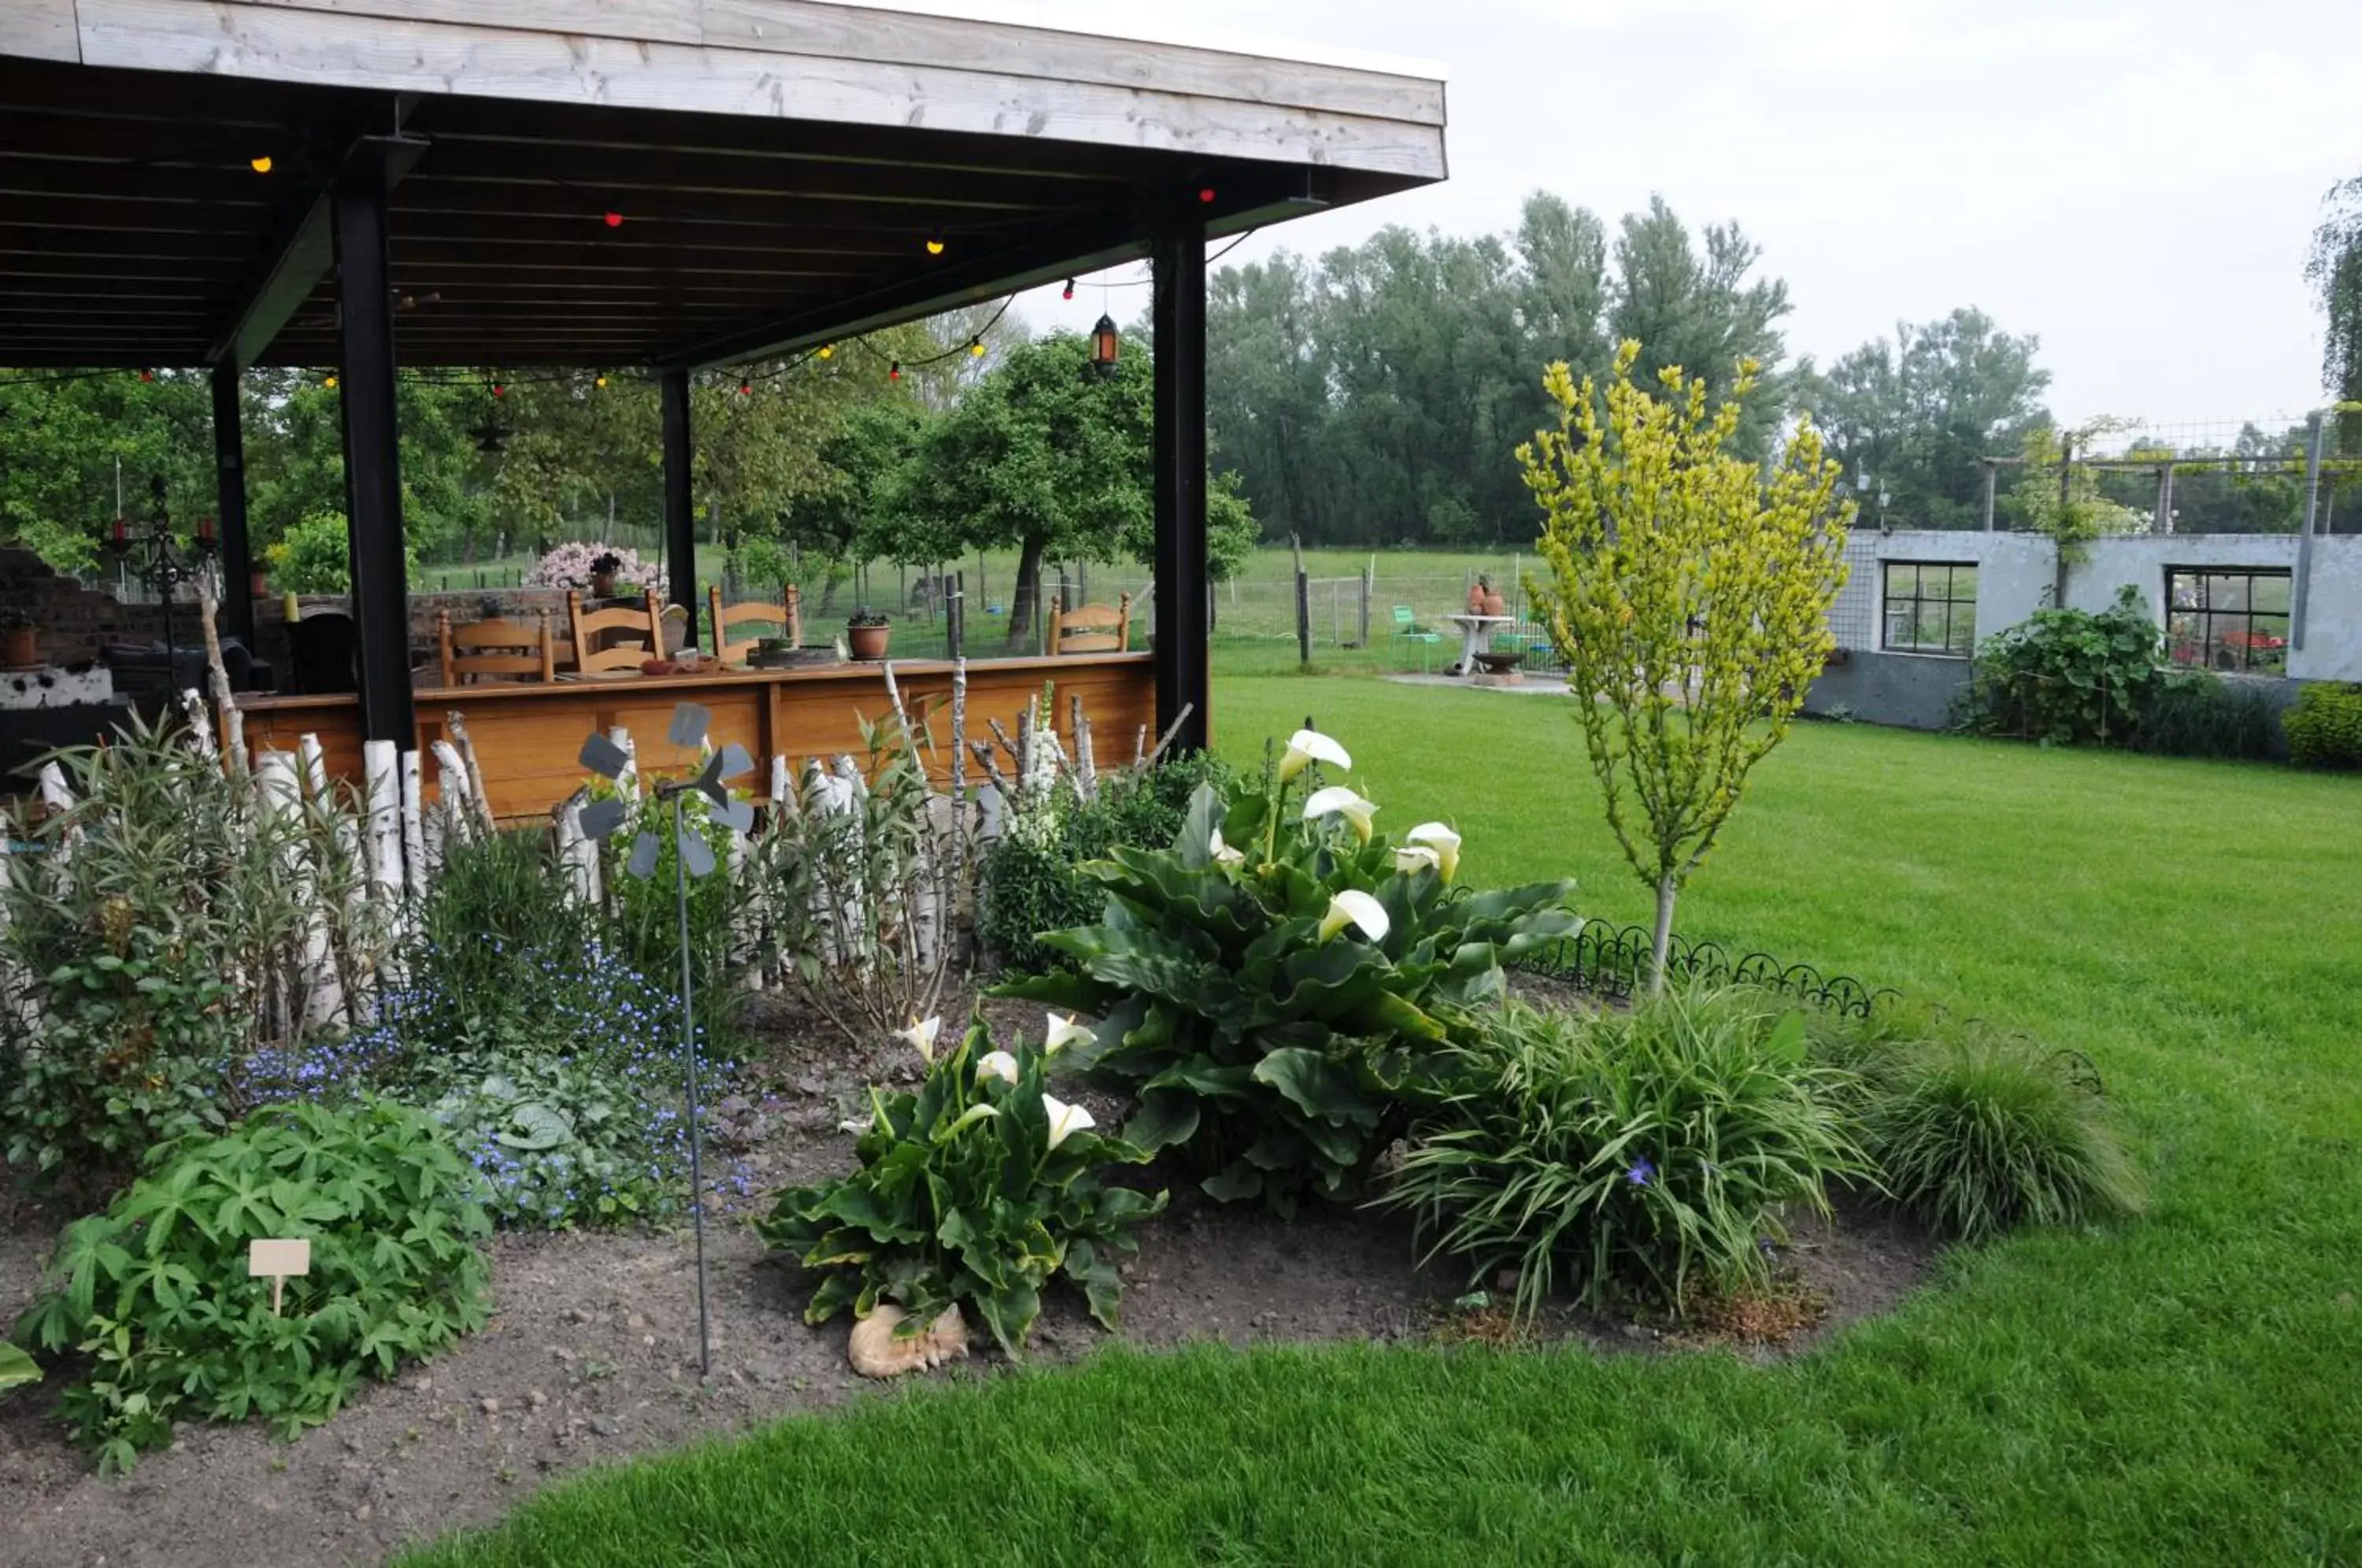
<point>746,389</point>
<point>614,218</point>
<point>1069,293</point>
<point>894,371</point>
<point>499,390</point>
<point>1206,194</point>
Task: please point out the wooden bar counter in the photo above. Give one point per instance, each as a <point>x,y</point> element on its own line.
<point>528,736</point>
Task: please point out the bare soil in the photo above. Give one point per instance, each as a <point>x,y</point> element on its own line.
<point>592,1355</point>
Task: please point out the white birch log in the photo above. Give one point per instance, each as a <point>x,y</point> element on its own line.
<point>413,825</point>
<point>280,783</point>
<point>451,781</point>
<point>50,786</point>
<point>479,797</point>
<point>200,725</point>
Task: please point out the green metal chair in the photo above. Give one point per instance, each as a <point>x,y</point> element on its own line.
<point>1406,631</point>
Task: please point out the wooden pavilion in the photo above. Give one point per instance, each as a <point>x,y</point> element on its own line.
<point>675,184</point>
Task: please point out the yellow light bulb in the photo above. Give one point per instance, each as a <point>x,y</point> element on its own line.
<point>599,382</point>
<point>827,350</point>
<point>331,382</point>
<point>934,245</point>
<point>976,349</point>
<point>262,165</point>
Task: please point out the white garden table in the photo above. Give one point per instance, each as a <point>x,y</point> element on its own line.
<point>1474,630</point>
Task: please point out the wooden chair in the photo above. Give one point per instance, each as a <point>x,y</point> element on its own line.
<point>1092,628</point>
<point>590,625</point>
<point>506,650</point>
<point>787,614</point>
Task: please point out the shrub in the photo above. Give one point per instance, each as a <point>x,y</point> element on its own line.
<point>1033,879</point>
<point>1974,1133</point>
<point>2325,727</point>
<point>155,1289</point>
<point>1275,987</point>
<point>1649,1150</point>
<point>315,555</point>
<point>2068,677</point>
<point>978,1187</point>
<point>155,934</point>
<point>2195,712</point>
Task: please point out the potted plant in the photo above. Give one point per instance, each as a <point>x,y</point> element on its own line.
<point>1489,602</point>
<point>865,634</point>
<point>20,640</point>
<point>259,581</point>
<point>602,574</point>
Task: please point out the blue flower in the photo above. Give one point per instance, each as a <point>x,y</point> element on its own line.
<point>1640,1171</point>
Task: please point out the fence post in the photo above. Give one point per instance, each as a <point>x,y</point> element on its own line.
<point>1364,635</point>
<point>1303,619</point>
<point>2300,597</point>
<point>1990,468</point>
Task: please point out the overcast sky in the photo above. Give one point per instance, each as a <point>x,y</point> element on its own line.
<point>2135,183</point>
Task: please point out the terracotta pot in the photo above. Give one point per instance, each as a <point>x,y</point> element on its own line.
<point>258,583</point>
<point>1494,605</point>
<point>20,645</point>
<point>602,585</point>
<point>867,642</point>
<point>1475,601</point>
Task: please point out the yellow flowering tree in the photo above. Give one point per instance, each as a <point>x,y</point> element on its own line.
<point>1689,595</point>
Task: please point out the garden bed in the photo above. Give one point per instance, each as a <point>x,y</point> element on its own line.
<point>591,1355</point>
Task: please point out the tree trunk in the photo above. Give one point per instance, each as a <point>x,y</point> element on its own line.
<point>1667,889</point>
<point>1026,602</point>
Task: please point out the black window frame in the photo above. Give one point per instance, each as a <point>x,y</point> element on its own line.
<point>1920,600</point>
<point>2245,617</point>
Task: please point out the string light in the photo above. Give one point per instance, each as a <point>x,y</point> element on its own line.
<point>600,381</point>
<point>745,387</point>
<point>259,165</point>
<point>976,347</point>
<point>935,243</point>
<point>827,350</point>
<point>147,375</point>
<point>614,218</point>
<point>894,371</point>
<point>500,390</point>
<point>1069,293</point>
<point>329,381</point>
<point>1206,194</point>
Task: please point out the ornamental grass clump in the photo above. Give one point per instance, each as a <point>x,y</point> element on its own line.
<point>155,1293</point>
<point>1628,1154</point>
<point>978,1187</point>
<point>1974,1133</point>
<point>1277,990</point>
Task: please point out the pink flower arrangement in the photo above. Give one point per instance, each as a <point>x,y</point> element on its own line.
<point>568,565</point>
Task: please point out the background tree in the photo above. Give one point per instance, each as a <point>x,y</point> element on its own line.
<point>1919,412</point>
<point>1689,596</point>
<point>2334,269</point>
<point>62,440</point>
<point>2065,500</point>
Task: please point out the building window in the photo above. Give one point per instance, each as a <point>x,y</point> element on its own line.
<point>2227,618</point>
<point>1931,608</point>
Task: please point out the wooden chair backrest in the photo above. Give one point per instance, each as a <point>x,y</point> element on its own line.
<point>640,619</point>
<point>1092,628</point>
<point>509,651</point>
<point>787,614</point>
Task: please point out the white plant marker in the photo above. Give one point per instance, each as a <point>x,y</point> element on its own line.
<point>278,1261</point>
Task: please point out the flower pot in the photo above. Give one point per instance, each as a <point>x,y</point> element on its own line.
<point>602,585</point>
<point>258,583</point>
<point>1494,604</point>
<point>867,642</point>
<point>20,647</point>
<point>1475,601</point>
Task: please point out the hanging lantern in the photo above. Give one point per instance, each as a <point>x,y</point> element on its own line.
<point>1105,346</point>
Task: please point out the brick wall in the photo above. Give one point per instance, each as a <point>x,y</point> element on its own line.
<point>76,622</point>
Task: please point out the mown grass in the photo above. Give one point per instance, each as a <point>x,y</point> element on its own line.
<point>2179,1389</point>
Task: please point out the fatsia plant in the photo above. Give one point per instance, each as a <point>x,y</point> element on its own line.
<point>1278,987</point>
<point>978,1187</point>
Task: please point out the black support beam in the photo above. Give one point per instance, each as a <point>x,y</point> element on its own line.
<point>373,460</point>
<point>679,516</point>
<point>229,483</point>
<point>1184,665</point>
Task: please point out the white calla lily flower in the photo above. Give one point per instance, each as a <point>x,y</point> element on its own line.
<point>1223,853</point>
<point>921,1035</point>
<point>1414,858</point>
<point>1065,1120</point>
<point>969,1117</point>
<point>997,1065</point>
<point>1339,801</point>
<point>1443,841</point>
<point>1305,747</point>
<point>857,1125</point>
<point>1354,907</point>
<point>1059,1031</point>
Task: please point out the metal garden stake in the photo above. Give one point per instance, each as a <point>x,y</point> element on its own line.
<point>693,858</point>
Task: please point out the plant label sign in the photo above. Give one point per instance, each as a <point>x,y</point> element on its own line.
<point>278,1261</point>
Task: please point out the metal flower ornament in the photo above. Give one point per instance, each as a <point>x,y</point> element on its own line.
<point>600,820</point>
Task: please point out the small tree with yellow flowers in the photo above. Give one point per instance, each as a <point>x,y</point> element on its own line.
<point>1689,596</point>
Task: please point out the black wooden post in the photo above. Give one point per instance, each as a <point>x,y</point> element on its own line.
<point>229,508</point>
<point>1183,671</point>
<point>372,460</point>
<point>679,519</point>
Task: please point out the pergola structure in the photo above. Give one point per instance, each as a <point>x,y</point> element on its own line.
<point>676,184</point>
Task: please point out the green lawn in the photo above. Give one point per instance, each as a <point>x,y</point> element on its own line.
<point>2186,1388</point>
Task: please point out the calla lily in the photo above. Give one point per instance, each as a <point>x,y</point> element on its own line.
<point>1413,857</point>
<point>1060,1032</point>
<point>1338,800</point>
<point>1305,747</point>
<point>997,1065</point>
<point>1441,839</point>
<point>1223,853</point>
<point>1354,907</point>
<point>922,1033</point>
<point>1064,1120</point>
<point>974,1114</point>
<point>857,1125</point>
